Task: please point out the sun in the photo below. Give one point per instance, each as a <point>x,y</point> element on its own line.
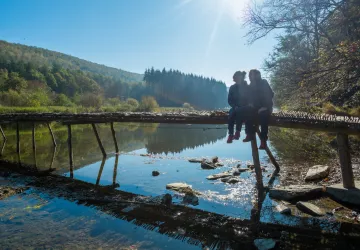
<point>233,8</point>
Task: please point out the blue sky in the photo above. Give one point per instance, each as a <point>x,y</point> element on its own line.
<point>194,36</point>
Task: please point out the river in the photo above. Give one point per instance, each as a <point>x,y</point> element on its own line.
<point>34,220</point>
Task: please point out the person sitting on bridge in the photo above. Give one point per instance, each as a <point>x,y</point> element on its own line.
<point>237,99</point>
<point>261,104</point>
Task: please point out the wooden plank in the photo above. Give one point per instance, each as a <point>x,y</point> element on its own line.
<point>52,134</point>
<point>256,160</point>
<point>71,161</point>
<point>2,133</point>
<point>98,140</point>
<point>114,137</point>
<point>345,160</point>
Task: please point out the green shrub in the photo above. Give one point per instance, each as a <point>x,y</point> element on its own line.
<point>90,100</point>
<point>132,102</point>
<point>148,104</point>
<point>63,100</point>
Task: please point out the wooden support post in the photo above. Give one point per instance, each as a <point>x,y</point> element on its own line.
<point>114,137</point>
<point>52,158</point>
<point>115,169</point>
<point>2,133</point>
<point>100,170</point>
<point>17,138</point>
<point>52,134</point>
<point>98,140</point>
<point>34,144</point>
<point>258,172</point>
<point>345,160</point>
<point>70,151</point>
<point>271,156</point>
<point>2,148</point>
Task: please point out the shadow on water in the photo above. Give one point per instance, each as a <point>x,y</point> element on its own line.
<point>166,148</point>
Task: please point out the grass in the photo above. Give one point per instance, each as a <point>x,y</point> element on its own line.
<point>331,109</point>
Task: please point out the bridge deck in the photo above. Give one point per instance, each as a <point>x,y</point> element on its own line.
<point>296,120</point>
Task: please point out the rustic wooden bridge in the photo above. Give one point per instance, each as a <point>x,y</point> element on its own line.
<point>342,126</point>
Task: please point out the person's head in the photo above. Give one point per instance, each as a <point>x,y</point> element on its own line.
<point>239,76</point>
<point>254,75</point>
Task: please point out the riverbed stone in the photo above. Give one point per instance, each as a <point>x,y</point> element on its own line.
<point>349,196</point>
<point>215,159</point>
<point>191,199</point>
<point>155,173</point>
<point>317,172</point>
<point>182,188</point>
<point>281,208</point>
<point>309,208</point>
<point>264,244</point>
<point>294,192</point>
<point>219,176</point>
<point>196,160</point>
<point>207,165</point>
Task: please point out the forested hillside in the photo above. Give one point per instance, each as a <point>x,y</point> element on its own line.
<point>35,77</point>
<point>173,88</point>
<point>317,58</point>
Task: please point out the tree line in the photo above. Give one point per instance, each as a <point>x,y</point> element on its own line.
<point>35,77</point>
<point>174,88</point>
<point>317,57</point>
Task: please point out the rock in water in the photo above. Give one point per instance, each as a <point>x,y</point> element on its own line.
<point>233,180</point>
<point>281,208</point>
<point>155,173</point>
<point>208,165</point>
<point>309,208</point>
<point>215,159</point>
<point>317,172</point>
<point>264,244</point>
<point>294,192</point>
<point>182,188</point>
<point>191,199</point>
<point>195,160</point>
<point>218,176</point>
<point>166,199</point>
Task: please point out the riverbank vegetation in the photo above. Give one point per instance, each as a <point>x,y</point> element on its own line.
<point>38,79</point>
<point>316,60</point>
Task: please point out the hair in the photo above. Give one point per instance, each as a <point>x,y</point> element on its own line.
<point>255,72</point>
<point>239,73</point>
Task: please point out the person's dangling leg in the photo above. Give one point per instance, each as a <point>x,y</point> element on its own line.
<point>231,124</point>
<point>239,118</point>
<point>249,124</point>
<point>264,117</point>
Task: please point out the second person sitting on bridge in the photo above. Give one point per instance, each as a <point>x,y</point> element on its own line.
<point>261,104</point>
<point>237,99</point>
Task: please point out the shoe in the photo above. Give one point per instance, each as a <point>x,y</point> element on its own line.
<point>237,135</point>
<point>230,139</point>
<point>248,138</point>
<point>263,145</point>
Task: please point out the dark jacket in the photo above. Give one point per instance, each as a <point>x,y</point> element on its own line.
<point>238,95</point>
<point>261,95</point>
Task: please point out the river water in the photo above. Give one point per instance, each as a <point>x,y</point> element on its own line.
<point>34,220</point>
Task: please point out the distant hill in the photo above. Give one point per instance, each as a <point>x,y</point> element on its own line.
<point>41,57</point>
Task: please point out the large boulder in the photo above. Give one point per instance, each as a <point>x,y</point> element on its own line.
<point>344,195</point>
<point>317,172</point>
<point>309,208</point>
<point>295,192</point>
